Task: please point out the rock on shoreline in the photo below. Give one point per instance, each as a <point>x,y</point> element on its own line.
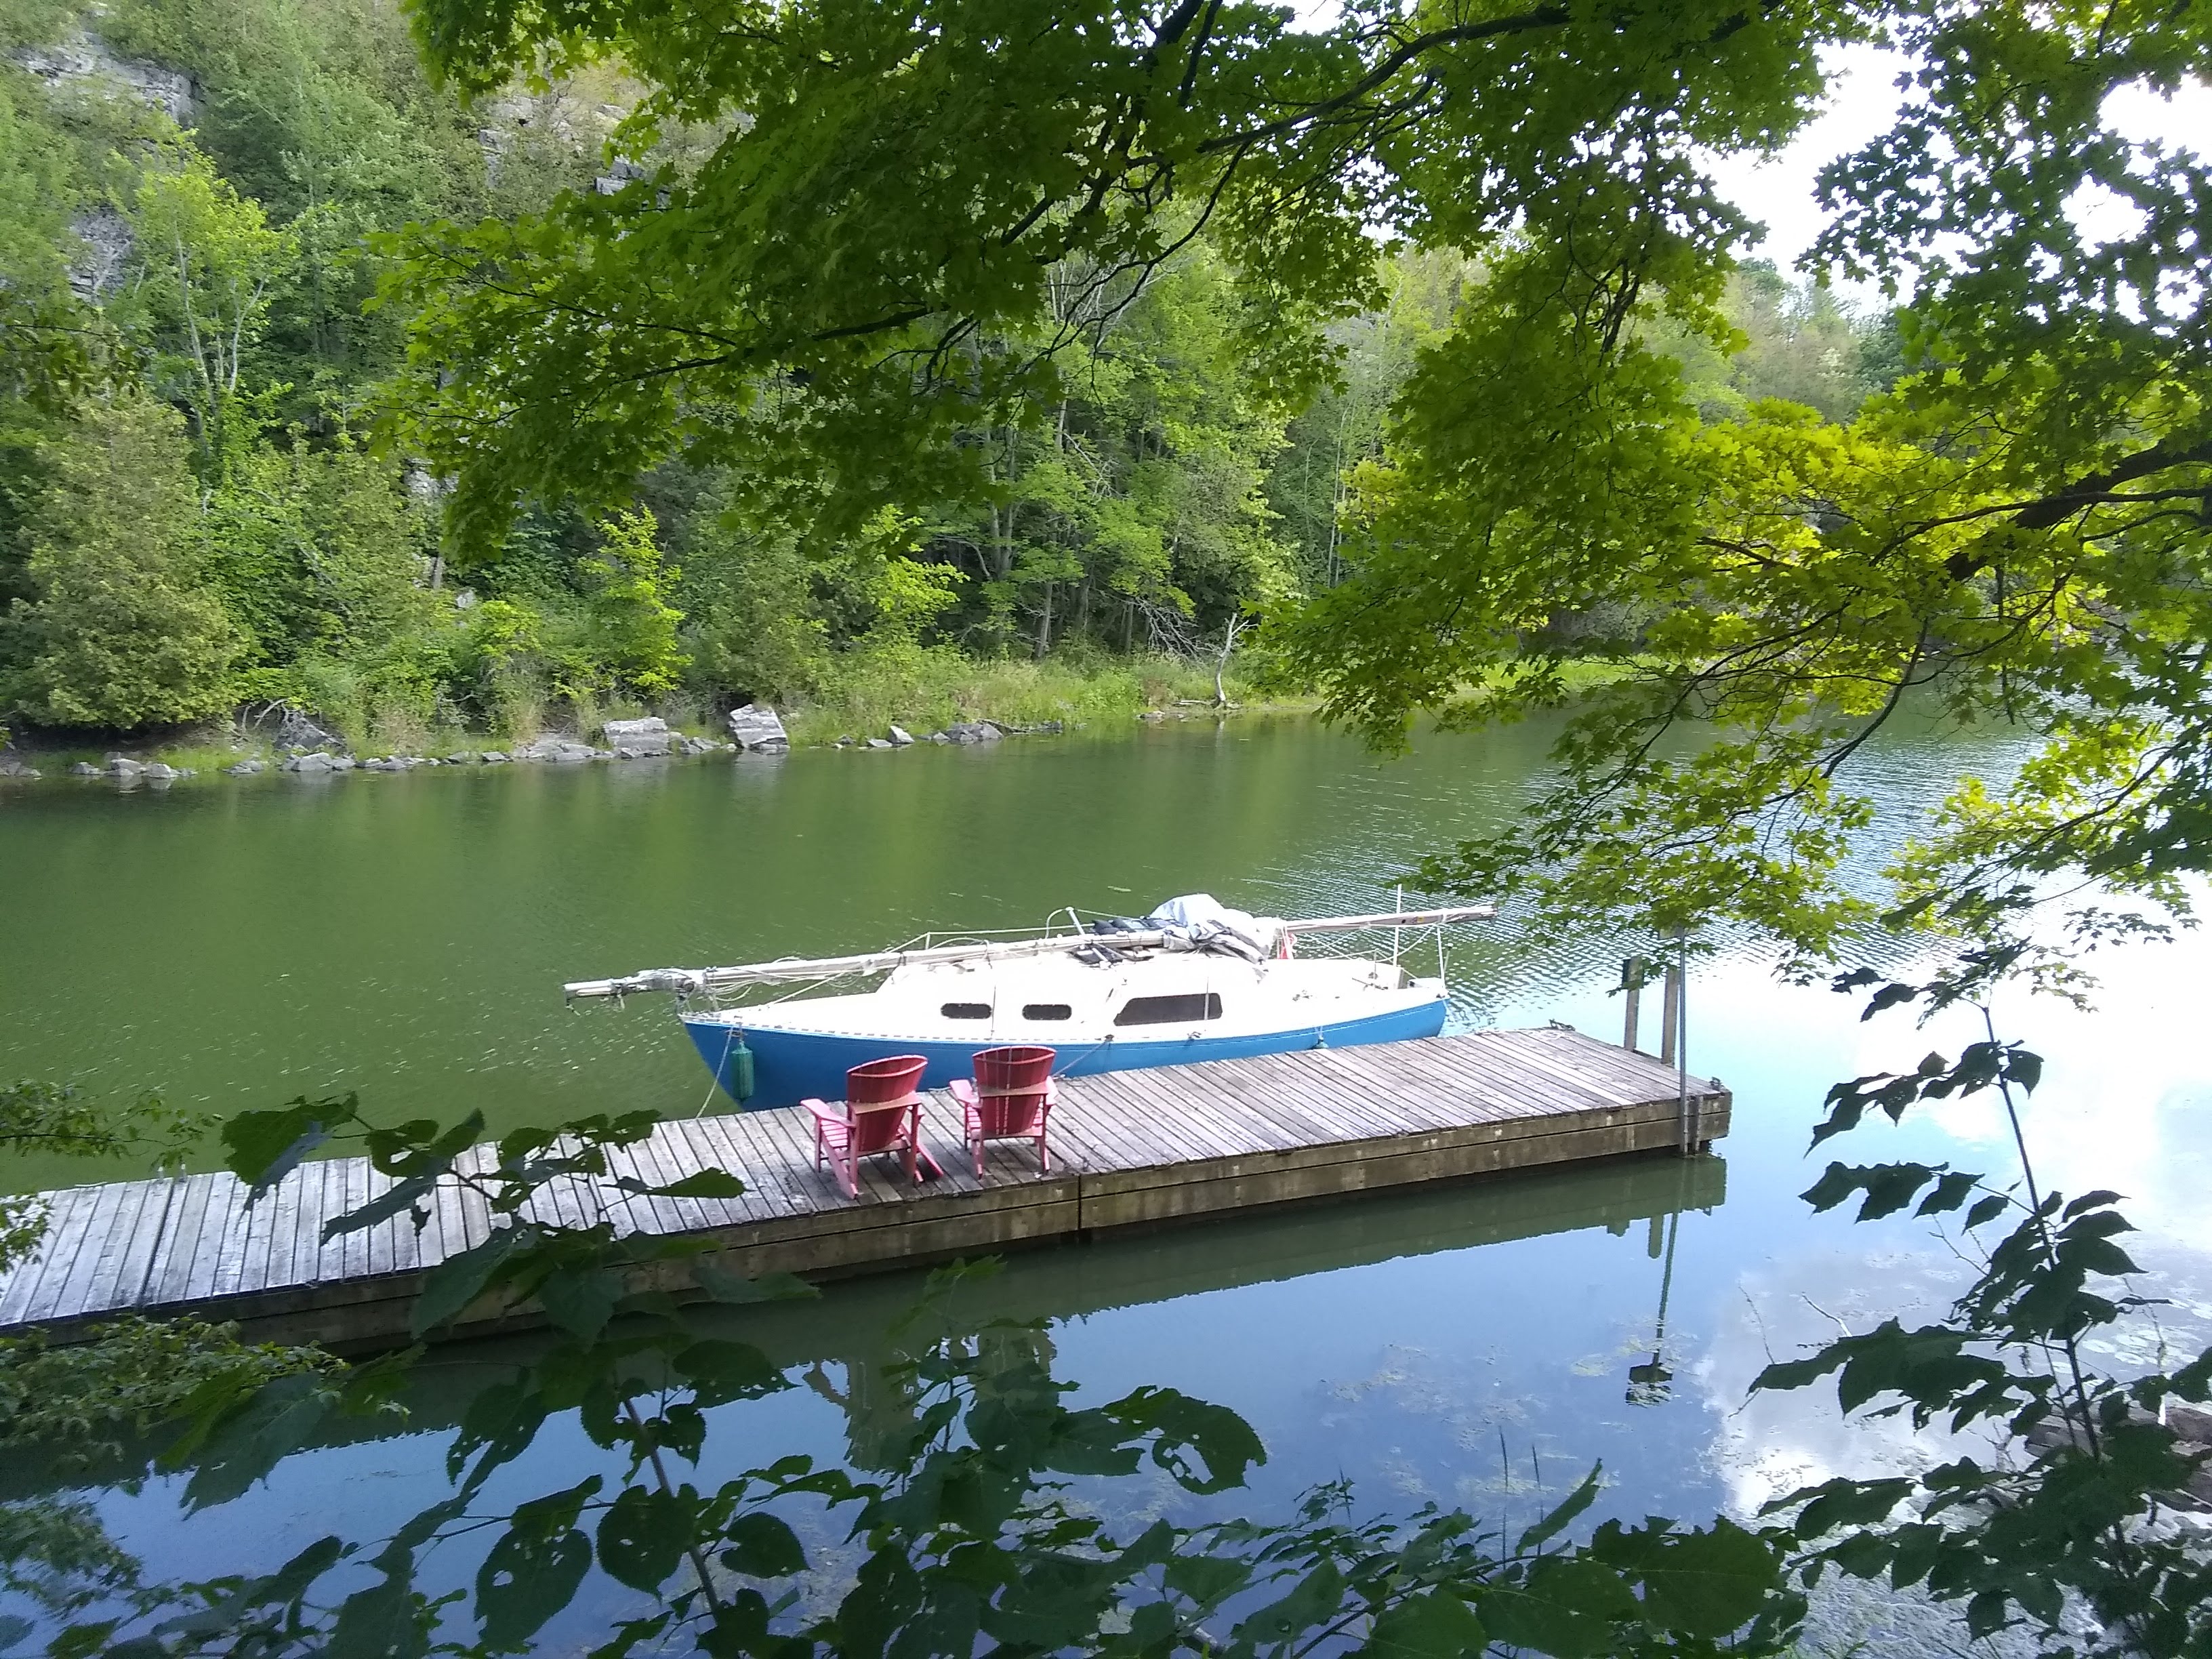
<point>759,729</point>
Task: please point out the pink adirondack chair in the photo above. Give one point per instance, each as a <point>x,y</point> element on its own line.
<point>1009,1099</point>
<point>881,1113</point>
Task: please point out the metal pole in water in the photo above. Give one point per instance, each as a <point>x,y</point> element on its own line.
<point>1682,1043</point>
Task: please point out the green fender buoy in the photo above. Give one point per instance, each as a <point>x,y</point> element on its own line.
<point>739,1068</point>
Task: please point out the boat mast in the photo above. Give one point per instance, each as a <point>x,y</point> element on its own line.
<point>690,981</point>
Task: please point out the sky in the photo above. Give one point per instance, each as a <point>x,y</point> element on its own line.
<point>1863,100</point>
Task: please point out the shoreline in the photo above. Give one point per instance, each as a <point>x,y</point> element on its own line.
<point>164,763</point>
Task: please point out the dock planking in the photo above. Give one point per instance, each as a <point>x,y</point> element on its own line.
<point>1128,1150</point>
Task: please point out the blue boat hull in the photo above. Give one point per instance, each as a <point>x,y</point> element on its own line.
<point>789,1067</point>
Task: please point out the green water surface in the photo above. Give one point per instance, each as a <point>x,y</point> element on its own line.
<point>233,942</point>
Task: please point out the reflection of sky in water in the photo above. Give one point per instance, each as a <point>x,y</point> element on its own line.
<point>1429,1367</point>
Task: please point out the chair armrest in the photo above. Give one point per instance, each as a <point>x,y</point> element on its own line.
<point>963,1090</point>
<point>823,1114</point>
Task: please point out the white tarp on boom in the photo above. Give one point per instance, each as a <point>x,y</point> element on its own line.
<point>1203,920</point>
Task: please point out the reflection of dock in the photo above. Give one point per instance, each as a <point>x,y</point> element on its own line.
<point>1130,1149</point>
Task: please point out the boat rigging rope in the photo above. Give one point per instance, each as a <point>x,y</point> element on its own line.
<point>721,1071</point>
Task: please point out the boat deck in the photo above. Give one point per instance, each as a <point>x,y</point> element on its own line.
<point>1128,1149</point>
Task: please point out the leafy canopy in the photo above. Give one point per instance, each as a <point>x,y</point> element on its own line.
<point>894,186</point>
<point>878,247</point>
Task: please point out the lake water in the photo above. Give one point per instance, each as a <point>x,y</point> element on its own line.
<point>237,944</point>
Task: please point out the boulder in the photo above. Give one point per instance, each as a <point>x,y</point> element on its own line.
<point>299,732</point>
<point>758,727</point>
<point>122,766</point>
<point>157,772</point>
<point>645,737</point>
<point>313,761</point>
<point>466,757</point>
<point>12,768</point>
<point>84,769</point>
<point>900,736</point>
<point>939,737</point>
<point>1151,716</point>
<point>342,763</point>
<point>492,757</point>
<point>974,731</point>
<point>881,743</point>
<point>562,752</point>
<point>245,768</point>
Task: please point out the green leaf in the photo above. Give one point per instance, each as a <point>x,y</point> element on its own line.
<point>1314,1600</point>
<point>263,1148</point>
<point>1566,1606</point>
<point>386,1621</point>
<point>1435,1624</point>
<point>459,1280</point>
<point>700,1184</point>
<point>1707,1582</point>
<point>1844,1503</point>
<point>2096,1201</point>
<point>1223,1440</point>
<point>1987,1210</point>
<point>1207,1580</point>
<point>1950,1193</point>
<point>642,1536</point>
<point>724,1285</point>
<point>1889,1187</point>
<point>281,1417</point>
<point>402,1195</point>
<point>581,1300</point>
<point>1562,1518</point>
<point>760,1546</point>
<point>533,1571</point>
<point>720,1369</point>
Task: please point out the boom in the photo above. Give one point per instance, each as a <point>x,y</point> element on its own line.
<point>690,981</point>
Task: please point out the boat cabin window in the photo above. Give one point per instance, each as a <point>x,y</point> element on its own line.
<point>1169,1011</point>
<point>966,1010</point>
<point>1047,1010</point>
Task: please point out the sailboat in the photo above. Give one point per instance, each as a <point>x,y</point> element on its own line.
<point>1195,980</point>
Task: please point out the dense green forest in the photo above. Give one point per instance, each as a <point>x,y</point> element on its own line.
<point>204,506</point>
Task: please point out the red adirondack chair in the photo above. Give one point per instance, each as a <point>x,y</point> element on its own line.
<point>882,1113</point>
<point>1011,1098</point>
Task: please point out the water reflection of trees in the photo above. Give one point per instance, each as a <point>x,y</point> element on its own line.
<point>967,1494</point>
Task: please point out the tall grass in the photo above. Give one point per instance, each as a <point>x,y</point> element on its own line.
<point>925,689</point>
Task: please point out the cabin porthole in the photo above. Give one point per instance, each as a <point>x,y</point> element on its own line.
<point>965,1010</point>
<point>1047,1011</point>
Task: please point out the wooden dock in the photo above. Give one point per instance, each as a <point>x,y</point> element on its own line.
<point>1129,1149</point>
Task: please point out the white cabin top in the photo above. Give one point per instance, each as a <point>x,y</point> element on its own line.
<point>1060,1001</point>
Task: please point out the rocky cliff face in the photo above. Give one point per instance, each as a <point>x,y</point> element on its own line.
<point>83,64</point>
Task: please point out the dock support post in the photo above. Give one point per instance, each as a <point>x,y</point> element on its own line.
<point>1670,1013</point>
<point>1677,1041</point>
<point>1633,970</point>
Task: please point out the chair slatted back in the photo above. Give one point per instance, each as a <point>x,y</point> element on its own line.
<point>876,1098</point>
<point>1010,1087</point>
